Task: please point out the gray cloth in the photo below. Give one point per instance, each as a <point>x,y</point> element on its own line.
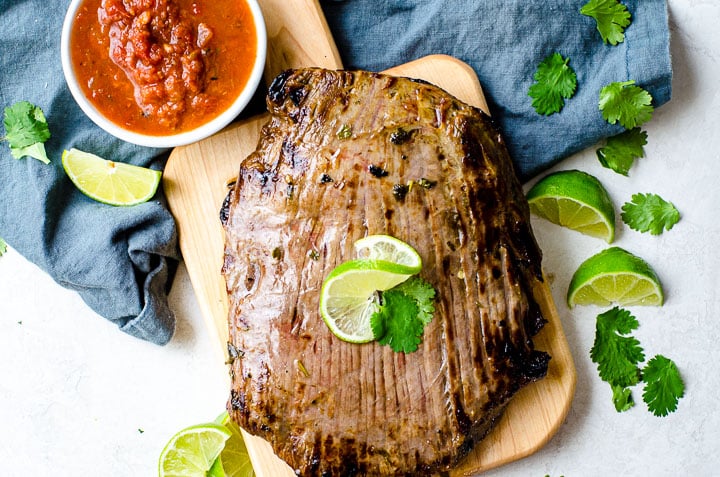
<point>121,260</point>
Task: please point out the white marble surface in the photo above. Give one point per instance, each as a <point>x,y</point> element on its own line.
<point>78,397</point>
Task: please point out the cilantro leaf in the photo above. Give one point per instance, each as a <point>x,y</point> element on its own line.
<point>555,80</point>
<point>617,355</point>
<point>36,151</point>
<point>402,315</point>
<point>663,385</point>
<point>3,247</point>
<point>622,398</point>
<point>399,323</point>
<point>26,131</point>
<point>612,18</point>
<point>621,150</point>
<point>424,295</point>
<point>624,102</point>
<point>649,213</point>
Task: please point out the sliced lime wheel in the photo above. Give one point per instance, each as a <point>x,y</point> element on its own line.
<point>348,298</point>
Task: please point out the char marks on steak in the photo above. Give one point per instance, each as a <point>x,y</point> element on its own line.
<point>333,165</point>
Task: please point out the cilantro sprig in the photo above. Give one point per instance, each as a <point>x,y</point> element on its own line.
<point>402,315</point>
<point>650,213</point>
<point>620,151</point>
<point>618,356</point>
<point>612,18</point>
<point>3,247</point>
<point>26,131</point>
<point>663,385</point>
<point>555,82</point>
<point>626,103</point>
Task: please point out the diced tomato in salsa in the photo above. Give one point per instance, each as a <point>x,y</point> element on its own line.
<point>163,66</point>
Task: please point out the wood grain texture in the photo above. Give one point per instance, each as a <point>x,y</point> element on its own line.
<point>297,36</point>
<point>195,182</point>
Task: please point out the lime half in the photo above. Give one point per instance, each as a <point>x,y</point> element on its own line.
<point>234,460</point>
<point>348,297</point>
<point>389,249</point>
<point>109,182</point>
<point>576,200</point>
<point>615,276</point>
<point>192,451</point>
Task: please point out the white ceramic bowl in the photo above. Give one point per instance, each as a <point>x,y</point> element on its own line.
<point>180,139</point>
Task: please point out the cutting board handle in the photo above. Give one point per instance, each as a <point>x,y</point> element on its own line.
<point>298,35</point>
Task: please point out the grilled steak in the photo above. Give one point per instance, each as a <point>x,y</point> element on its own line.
<point>333,165</point>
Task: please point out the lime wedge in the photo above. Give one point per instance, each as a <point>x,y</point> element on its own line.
<point>615,276</point>
<point>192,451</point>
<point>388,249</point>
<point>109,182</point>
<point>348,298</point>
<point>234,460</point>
<point>576,200</point>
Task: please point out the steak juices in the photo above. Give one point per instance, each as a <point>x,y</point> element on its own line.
<point>163,66</point>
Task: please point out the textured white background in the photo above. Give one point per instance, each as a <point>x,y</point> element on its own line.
<point>78,397</point>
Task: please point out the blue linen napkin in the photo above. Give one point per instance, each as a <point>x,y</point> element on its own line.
<point>504,41</point>
<point>121,260</point>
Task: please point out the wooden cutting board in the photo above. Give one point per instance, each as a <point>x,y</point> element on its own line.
<point>195,182</point>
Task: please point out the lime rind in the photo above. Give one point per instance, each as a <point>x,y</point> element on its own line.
<point>576,200</point>
<point>575,184</point>
<point>615,276</point>
<point>363,264</point>
<point>217,469</point>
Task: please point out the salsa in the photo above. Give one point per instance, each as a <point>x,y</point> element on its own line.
<point>163,66</point>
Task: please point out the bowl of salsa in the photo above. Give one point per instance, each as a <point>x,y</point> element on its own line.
<point>163,73</point>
